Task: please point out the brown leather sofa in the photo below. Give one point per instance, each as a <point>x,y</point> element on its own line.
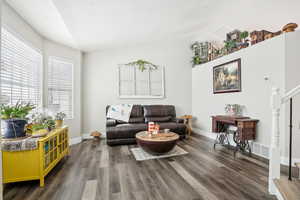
<point>120,132</point>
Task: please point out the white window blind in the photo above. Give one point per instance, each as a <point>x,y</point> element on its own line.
<point>60,86</point>
<point>21,71</point>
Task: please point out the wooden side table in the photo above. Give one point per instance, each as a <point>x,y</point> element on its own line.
<point>188,123</point>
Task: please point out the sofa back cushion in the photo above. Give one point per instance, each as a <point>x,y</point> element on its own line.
<point>159,113</point>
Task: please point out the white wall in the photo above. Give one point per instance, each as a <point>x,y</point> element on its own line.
<point>263,59</point>
<point>100,79</point>
<point>74,56</point>
<point>277,59</point>
<point>19,26</point>
<point>15,23</point>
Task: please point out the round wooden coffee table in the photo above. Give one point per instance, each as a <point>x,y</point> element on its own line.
<point>157,144</point>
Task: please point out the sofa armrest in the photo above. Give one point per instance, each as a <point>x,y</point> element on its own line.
<point>178,120</point>
<point>111,122</point>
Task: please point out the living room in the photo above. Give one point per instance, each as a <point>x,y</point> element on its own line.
<point>150,99</point>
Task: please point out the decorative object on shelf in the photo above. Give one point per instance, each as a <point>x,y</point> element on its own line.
<point>258,36</point>
<point>234,109</point>
<point>236,40</point>
<point>227,77</point>
<point>244,40</point>
<point>290,27</point>
<point>96,135</point>
<point>142,65</point>
<point>200,50</point>
<point>270,35</point>
<point>14,118</point>
<point>59,119</point>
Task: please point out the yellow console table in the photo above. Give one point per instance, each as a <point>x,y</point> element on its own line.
<point>36,164</point>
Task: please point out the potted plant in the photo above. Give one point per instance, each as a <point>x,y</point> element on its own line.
<point>59,118</point>
<point>40,124</point>
<point>14,118</point>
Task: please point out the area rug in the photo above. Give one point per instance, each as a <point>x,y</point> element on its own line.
<point>141,155</point>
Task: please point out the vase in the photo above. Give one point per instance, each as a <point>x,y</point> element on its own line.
<point>14,128</point>
<point>58,123</point>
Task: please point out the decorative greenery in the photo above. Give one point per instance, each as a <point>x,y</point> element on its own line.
<point>196,60</point>
<point>42,121</point>
<point>244,34</point>
<point>18,111</point>
<point>60,116</point>
<point>142,65</point>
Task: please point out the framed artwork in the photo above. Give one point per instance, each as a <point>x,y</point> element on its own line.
<point>227,77</point>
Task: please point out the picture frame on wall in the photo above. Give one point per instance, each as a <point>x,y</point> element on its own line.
<point>227,77</point>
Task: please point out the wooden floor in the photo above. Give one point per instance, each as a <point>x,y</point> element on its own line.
<point>97,171</point>
<point>290,190</point>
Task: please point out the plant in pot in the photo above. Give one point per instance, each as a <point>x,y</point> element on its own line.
<point>40,124</point>
<point>59,119</point>
<point>14,118</point>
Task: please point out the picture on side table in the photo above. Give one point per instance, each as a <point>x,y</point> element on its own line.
<point>227,77</point>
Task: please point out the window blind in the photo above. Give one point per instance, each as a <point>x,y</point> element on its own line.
<point>21,71</point>
<point>60,86</point>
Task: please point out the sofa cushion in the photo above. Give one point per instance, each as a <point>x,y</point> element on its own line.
<point>158,119</point>
<point>132,120</point>
<point>159,111</point>
<point>125,130</point>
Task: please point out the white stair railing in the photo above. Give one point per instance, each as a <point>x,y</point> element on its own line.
<point>276,102</point>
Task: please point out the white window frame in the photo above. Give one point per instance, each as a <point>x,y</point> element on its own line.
<point>68,61</point>
<point>149,81</point>
<point>40,51</point>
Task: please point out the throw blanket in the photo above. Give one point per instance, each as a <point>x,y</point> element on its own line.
<point>120,112</point>
<point>19,145</point>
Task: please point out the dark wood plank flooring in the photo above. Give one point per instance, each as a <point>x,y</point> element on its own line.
<point>97,171</point>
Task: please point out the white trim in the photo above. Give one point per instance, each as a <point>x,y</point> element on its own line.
<point>274,190</point>
<point>211,135</point>
<point>75,140</point>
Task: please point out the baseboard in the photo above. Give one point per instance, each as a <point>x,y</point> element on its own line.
<point>204,133</point>
<point>84,136</point>
<point>75,140</point>
<point>258,149</point>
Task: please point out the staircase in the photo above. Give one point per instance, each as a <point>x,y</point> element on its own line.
<point>285,188</point>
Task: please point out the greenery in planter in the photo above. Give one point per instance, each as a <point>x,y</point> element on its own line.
<point>142,65</point>
<point>14,118</point>
<point>18,111</point>
<point>41,121</point>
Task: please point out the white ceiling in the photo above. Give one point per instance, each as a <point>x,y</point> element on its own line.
<point>100,24</point>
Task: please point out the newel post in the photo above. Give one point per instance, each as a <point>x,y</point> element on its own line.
<point>274,162</point>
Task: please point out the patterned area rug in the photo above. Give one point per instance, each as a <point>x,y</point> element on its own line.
<point>141,155</point>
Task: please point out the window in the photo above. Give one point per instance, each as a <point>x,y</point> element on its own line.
<point>60,86</point>
<point>21,71</point>
<point>134,83</point>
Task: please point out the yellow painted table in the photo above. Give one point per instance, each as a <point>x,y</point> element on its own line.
<point>36,164</point>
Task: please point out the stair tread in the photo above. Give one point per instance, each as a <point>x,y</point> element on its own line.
<point>290,190</point>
